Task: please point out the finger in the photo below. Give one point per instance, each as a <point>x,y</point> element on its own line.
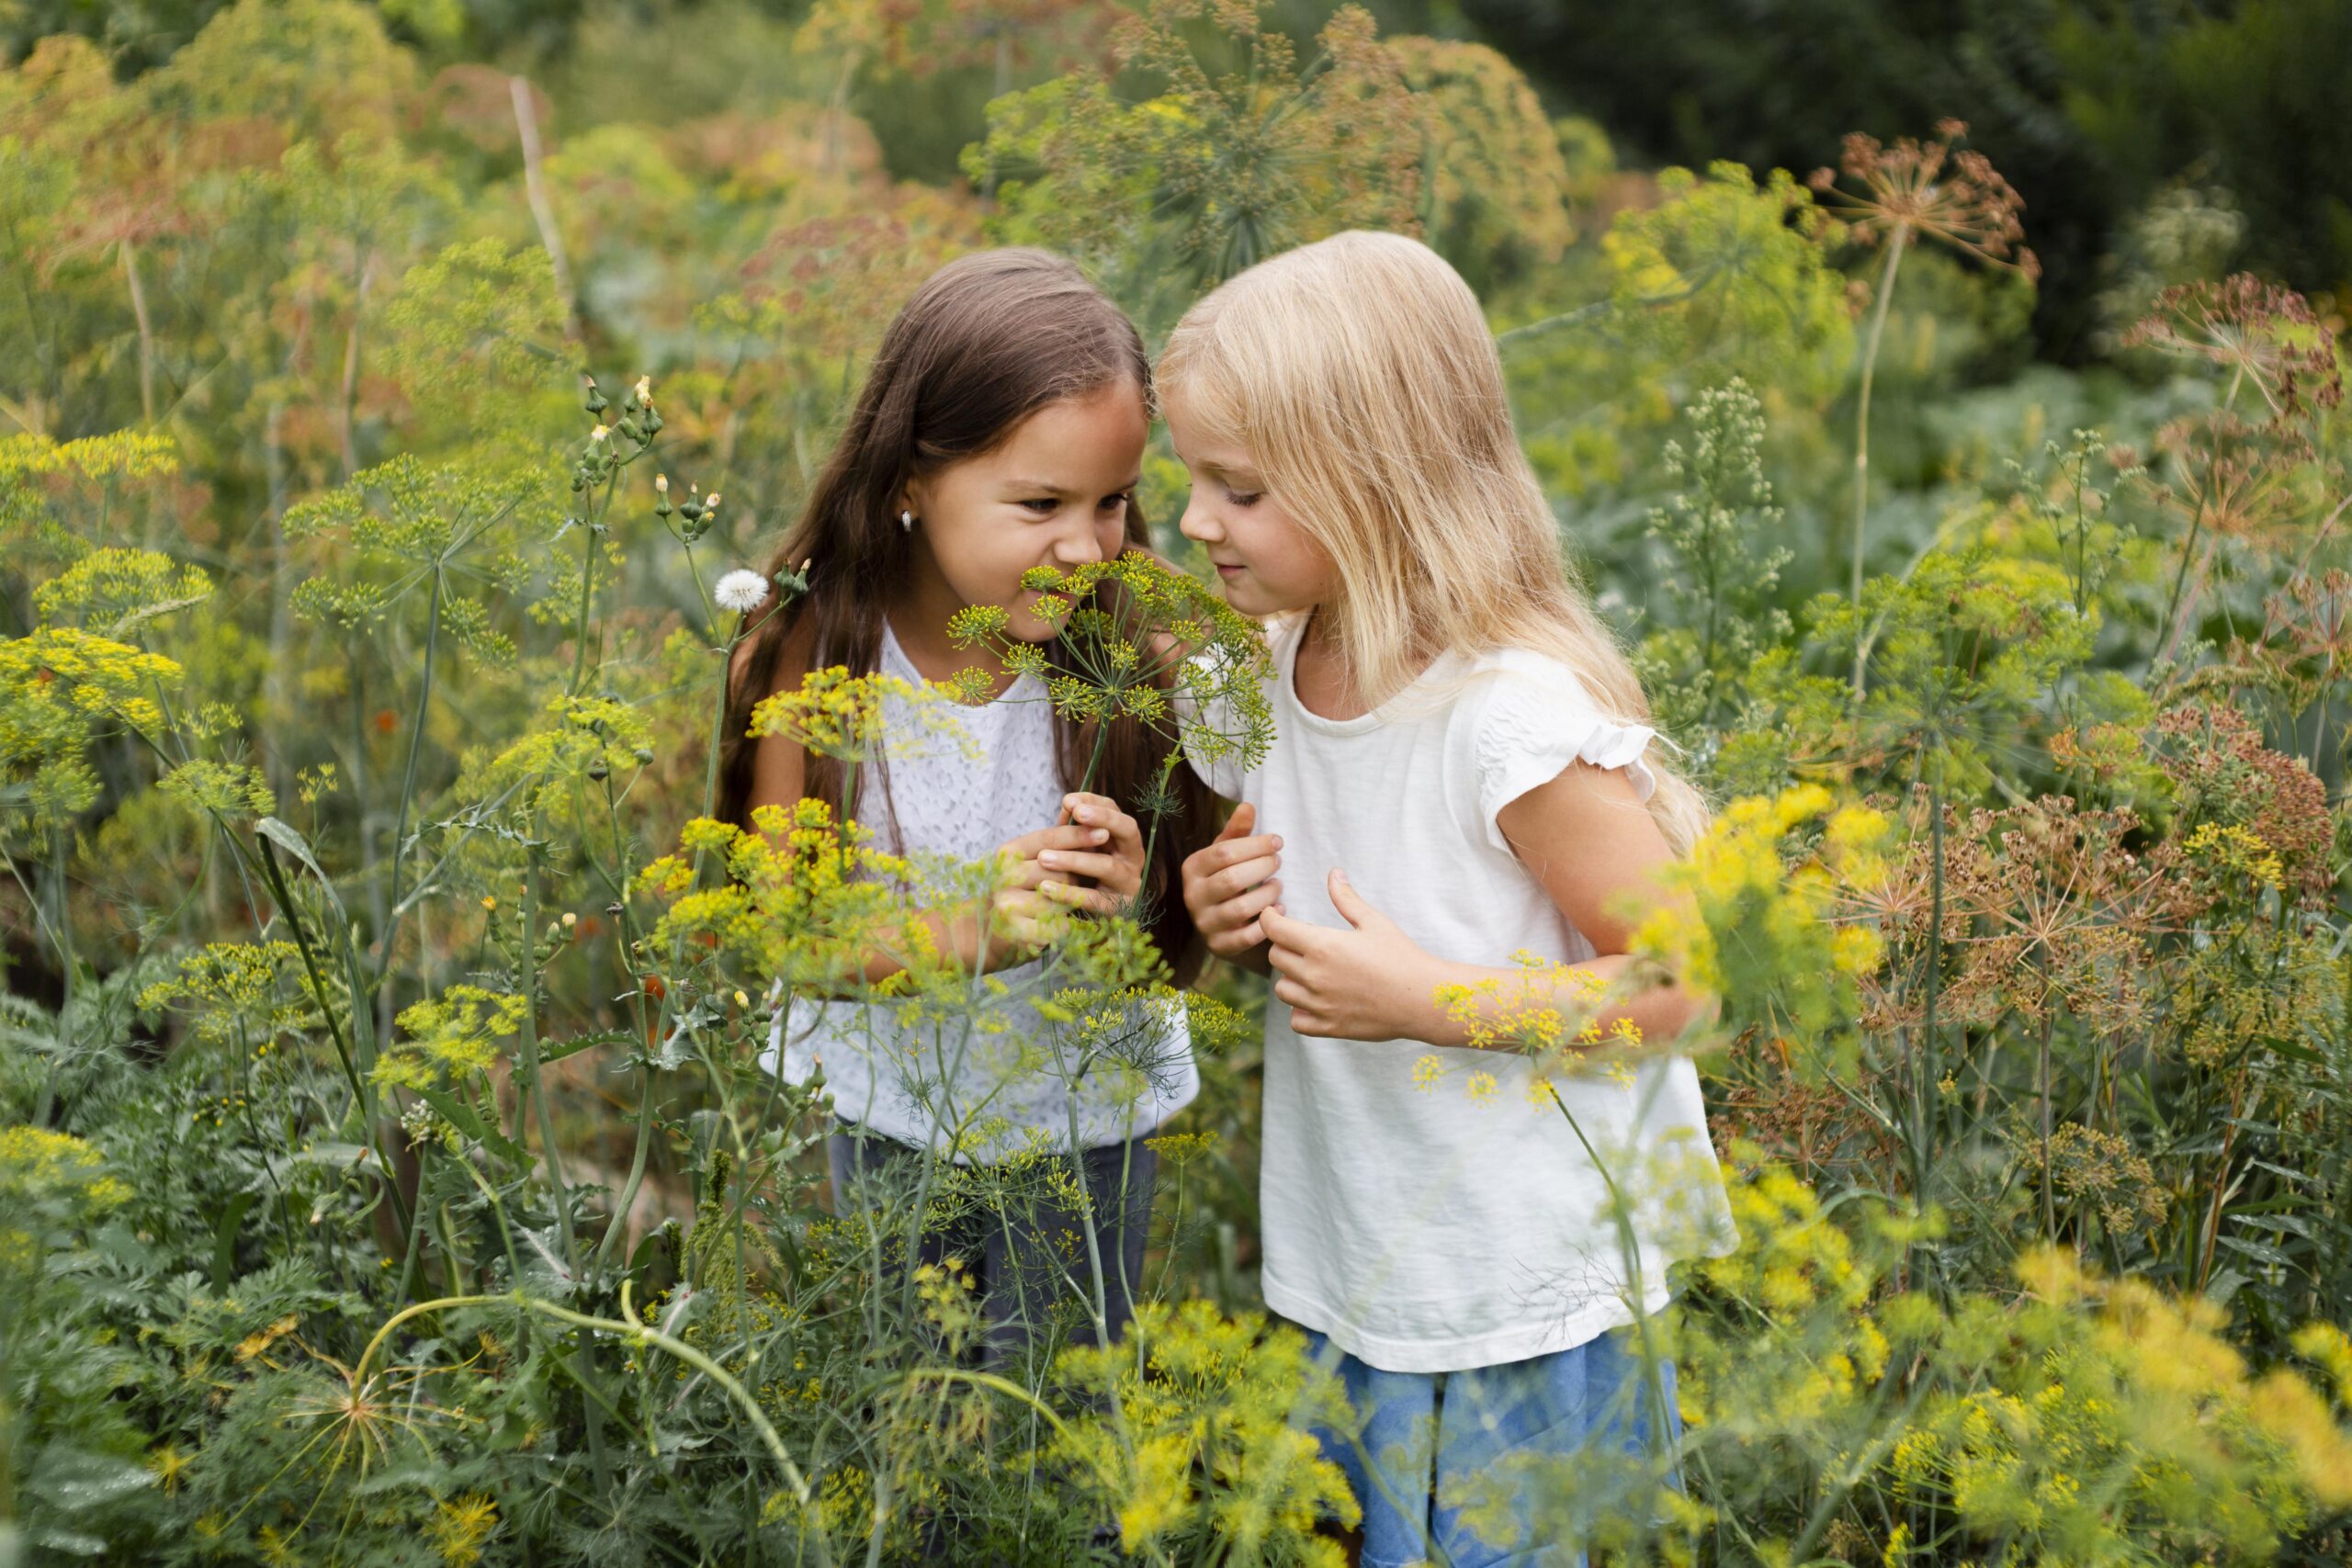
<point>1247,906</point>
<point>1101,811</point>
<point>1237,825</point>
<point>1285,932</point>
<point>1236,880</point>
<point>1291,991</point>
<point>1232,851</point>
<point>1349,903</point>
<point>1064,836</point>
<point>1233,944</point>
<point>1095,900</point>
<point>1022,876</point>
<point>1108,869</point>
<point>1027,917</point>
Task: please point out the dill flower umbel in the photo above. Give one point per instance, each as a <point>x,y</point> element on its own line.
<point>741,591</point>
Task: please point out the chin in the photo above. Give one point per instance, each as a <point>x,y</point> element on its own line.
<point>1023,625</point>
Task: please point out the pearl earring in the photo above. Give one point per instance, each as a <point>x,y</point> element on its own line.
<point>906,522</point>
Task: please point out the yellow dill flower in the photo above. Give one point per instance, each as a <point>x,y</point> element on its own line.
<point>450,1037</point>
<point>458,1530</point>
<point>38,1166</point>
<point>837,714</point>
<point>1481,1085</point>
<point>1427,1070</point>
<point>2241,850</point>
<point>2327,1345</point>
<point>59,689</point>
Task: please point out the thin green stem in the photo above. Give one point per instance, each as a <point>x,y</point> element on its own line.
<point>1863,436</point>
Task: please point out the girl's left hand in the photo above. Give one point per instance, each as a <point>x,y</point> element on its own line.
<point>1369,982</point>
<point>1116,871</point>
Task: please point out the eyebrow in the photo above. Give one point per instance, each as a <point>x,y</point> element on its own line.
<point>1033,486</point>
<point>1221,471</point>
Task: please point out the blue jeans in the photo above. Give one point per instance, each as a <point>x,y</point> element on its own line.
<point>1516,1464</point>
<point>1030,1262</point>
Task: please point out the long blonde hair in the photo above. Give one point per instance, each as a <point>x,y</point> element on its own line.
<point>1358,373</point>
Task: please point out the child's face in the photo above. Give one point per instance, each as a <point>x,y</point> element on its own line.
<point>1055,493</point>
<point>1267,562</point>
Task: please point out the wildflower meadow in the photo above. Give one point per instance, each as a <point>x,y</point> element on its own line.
<point>396,404</point>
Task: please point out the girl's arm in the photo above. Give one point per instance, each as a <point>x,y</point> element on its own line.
<point>1585,837</point>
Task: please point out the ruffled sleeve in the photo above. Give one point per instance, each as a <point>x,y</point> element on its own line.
<point>1534,722</point>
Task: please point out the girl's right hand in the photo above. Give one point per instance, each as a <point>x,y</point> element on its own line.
<point>1228,883</point>
<point>1022,912</point>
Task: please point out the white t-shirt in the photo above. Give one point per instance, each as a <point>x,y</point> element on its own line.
<point>1427,1229</point>
<point>979,1084</point>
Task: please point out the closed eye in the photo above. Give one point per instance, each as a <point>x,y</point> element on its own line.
<point>1234,498</point>
<point>1044,505</point>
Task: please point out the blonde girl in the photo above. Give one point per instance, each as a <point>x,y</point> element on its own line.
<point>1462,774</point>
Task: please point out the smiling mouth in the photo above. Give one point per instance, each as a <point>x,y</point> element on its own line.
<point>1226,568</point>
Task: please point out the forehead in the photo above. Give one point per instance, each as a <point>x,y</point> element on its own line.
<point>1201,436</point>
<point>1082,442</point>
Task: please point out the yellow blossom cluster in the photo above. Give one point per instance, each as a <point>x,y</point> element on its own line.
<point>2239,849</point>
<point>450,1037</point>
<point>111,591</point>
<point>59,689</point>
<point>1754,918</point>
<point>225,985</point>
<point>50,1176</point>
<point>835,714</point>
<point>1211,1438</point>
<point>808,896</point>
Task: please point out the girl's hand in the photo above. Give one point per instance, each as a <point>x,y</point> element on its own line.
<point>1116,868</point>
<point>1369,982</point>
<point>1098,842</point>
<point>1229,885</point>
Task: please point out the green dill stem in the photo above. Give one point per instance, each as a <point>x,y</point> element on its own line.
<point>60,933</point>
<point>365,1101</point>
<point>1922,1165</point>
<point>1863,436</point>
<point>408,794</point>
<point>588,582</point>
<point>1621,1210</point>
<point>413,1258</point>
<point>535,1087</point>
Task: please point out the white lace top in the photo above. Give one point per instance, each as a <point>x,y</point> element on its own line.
<point>979,1084</point>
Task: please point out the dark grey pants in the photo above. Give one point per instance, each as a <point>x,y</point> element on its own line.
<point>1026,1253</point>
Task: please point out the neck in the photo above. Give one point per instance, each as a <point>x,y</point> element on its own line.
<point>918,614</point>
<point>1319,670</point>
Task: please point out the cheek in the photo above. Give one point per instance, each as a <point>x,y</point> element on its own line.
<point>983,560</point>
<point>1293,558</point>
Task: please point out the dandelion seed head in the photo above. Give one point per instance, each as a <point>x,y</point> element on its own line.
<point>741,591</point>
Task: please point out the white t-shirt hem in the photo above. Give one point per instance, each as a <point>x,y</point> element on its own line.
<point>1495,1348</point>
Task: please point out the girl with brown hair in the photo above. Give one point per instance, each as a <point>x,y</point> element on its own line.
<point>1001,428</point>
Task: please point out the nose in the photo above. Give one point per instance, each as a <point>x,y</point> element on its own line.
<point>1196,524</point>
<point>1077,545</point>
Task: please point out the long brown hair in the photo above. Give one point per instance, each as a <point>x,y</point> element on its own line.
<point>988,340</point>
